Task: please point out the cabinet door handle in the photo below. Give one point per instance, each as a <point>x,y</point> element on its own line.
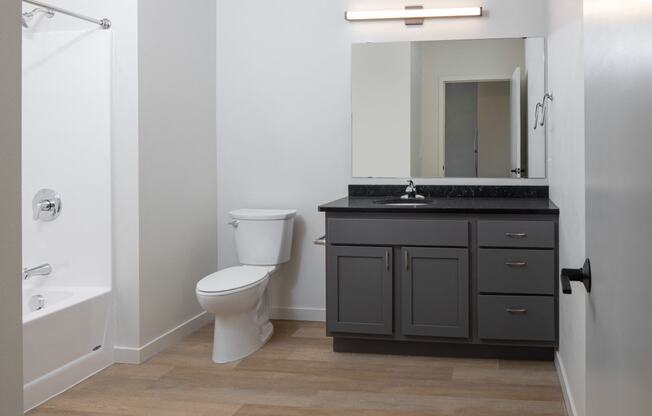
<point>513,311</point>
<point>516,264</point>
<point>516,235</point>
<point>406,260</point>
<point>387,260</point>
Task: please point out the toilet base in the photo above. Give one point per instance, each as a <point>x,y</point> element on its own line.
<point>237,337</point>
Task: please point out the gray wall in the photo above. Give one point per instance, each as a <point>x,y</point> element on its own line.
<point>11,342</point>
<point>177,159</point>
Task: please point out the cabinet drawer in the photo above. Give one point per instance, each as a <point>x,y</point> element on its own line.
<point>516,271</point>
<point>415,232</point>
<point>518,318</point>
<point>531,234</point>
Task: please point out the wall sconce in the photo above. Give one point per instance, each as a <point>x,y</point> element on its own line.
<point>413,15</point>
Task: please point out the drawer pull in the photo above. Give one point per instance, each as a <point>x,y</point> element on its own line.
<point>513,311</point>
<point>516,264</point>
<point>387,260</point>
<point>516,235</point>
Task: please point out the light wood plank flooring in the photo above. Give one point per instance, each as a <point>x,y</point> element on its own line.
<point>297,374</point>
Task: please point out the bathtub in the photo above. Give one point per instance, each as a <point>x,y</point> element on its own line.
<point>65,331</point>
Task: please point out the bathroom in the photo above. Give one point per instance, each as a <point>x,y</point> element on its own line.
<point>158,126</point>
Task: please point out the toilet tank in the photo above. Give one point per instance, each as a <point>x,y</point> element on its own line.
<point>263,237</point>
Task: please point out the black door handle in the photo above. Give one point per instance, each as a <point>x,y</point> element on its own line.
<point>576,275</point>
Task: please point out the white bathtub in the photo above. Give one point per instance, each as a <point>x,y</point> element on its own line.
<point>63,343</point>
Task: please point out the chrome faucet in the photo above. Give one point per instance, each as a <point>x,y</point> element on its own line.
<point>411,191</point>
<point>42,270</point>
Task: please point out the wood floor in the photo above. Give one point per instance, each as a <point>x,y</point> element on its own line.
<point>297,374</point>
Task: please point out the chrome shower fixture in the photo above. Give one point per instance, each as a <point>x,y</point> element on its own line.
<point>28,16</point>
<point>49,11</point>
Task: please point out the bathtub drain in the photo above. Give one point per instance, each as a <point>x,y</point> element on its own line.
<point>36,303</point>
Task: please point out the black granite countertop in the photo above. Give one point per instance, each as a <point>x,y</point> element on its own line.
<point>448,205</point>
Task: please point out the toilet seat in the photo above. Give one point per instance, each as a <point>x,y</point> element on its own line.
<point>233,279</point>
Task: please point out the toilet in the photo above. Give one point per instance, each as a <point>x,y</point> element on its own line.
<point>238,296</point>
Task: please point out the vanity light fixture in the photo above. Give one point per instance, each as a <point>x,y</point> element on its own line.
<point>413,15</point>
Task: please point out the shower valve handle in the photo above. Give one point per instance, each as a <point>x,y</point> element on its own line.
<point>46,205</point>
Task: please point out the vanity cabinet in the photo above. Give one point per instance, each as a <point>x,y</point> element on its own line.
<point>457,280</point>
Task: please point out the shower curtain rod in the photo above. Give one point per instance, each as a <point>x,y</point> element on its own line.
<point>103,23</point>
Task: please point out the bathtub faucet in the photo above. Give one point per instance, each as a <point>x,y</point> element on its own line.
<point>42,270</point>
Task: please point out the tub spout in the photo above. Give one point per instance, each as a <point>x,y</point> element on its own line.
<point>42,270</point>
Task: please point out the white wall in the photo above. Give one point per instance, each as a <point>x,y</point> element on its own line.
<point>11,361</point>
<point>284,108</point>
<point>178,186</point>
<point>66,144</point>
<point>124,146</point>
<point>382,80</point>
<point>177,138</point>
<point>566,162</point>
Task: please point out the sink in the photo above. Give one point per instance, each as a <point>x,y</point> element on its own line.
<point>399,202</point>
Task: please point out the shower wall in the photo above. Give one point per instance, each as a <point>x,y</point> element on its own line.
<point>66,147</point>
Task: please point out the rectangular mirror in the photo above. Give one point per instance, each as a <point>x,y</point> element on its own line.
<point>458,109</point>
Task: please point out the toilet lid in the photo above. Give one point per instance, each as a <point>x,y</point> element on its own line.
<point>233,278</point>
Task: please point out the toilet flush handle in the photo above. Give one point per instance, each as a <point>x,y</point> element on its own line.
<point>234,223</point>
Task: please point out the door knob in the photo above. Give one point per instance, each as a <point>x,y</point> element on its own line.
<point>576,275</point>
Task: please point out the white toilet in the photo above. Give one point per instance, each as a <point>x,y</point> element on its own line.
<point>238,296</point>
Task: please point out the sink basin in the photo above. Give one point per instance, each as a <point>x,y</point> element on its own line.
<point>398,202</point>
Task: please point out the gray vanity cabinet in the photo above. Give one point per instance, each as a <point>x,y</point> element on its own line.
<point>435,292</point>
<point>452,276</point>
<point>359,293</point>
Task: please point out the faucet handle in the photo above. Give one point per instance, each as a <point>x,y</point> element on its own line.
<point>46,205</point>
<point>411,187</point>
<point>411,191</point>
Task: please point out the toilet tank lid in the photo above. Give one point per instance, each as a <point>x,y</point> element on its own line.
<point>262,214</point>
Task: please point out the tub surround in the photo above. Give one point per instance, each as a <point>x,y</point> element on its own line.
<point>458,276</point>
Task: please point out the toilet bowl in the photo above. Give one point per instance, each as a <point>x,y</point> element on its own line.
<point>238,296</point>
<point>239,300</point>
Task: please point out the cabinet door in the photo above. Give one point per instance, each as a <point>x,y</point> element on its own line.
<point>359,290</point>
<point>435,292</point>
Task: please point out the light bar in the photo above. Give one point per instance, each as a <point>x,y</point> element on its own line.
<point>413,13</point>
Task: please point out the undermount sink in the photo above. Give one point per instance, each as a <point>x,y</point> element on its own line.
<point>400,202</point>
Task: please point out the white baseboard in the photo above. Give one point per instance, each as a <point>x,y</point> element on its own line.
<point>131,355</point>
<point>569,403</point>
<point>299,314</point>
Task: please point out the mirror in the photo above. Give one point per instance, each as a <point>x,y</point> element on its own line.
<point>455,108</point>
